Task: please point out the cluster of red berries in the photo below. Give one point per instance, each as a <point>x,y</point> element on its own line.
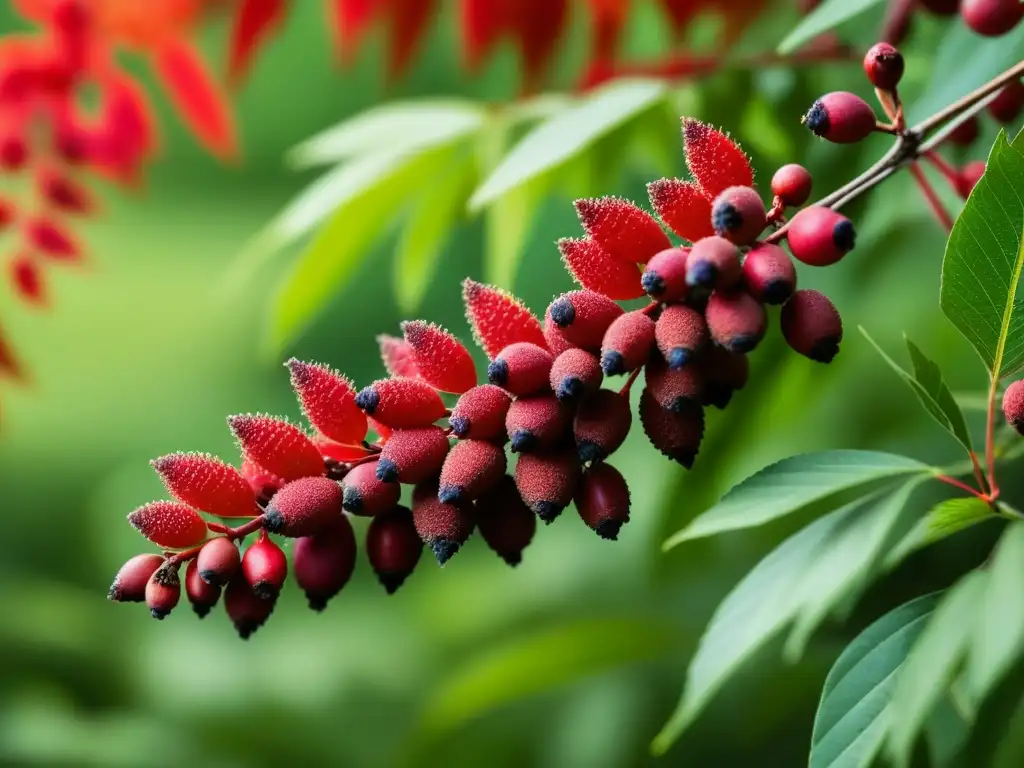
<point>991,18</point>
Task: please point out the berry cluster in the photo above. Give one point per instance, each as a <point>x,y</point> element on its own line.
<point>991,18</point>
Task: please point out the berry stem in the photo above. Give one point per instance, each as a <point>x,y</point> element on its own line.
<point>931,197</point>
<point>962,486</point>
<point>629,383</point>
<point>889,128</point>
<point>943,167</point>
<point>990,438</point>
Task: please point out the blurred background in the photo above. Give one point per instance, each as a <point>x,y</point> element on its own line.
<point>575,658</point>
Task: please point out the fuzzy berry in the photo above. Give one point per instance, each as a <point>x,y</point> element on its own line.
<point>969,176</point>
<point>410,456</point>
<point>680,333</point>
<point>393,547</point>
<point>201,594</point>
<point>627,343</point>
<point>536,423</point>
<point>582,317</point>
<point>218,561</point>
<point>664,278</point>
<point>1013,405</point>
<point>129,585</point>
<point>323,563</point>
<point>676,434</point>
<point>965,134</point>
<point>723,372</point>
<point>601,424</point>
<point>363,493</point>
<point>247,611</point>
<point>769,274</point>
<point>472,467</point>
<point>1007,106</point>
<point>480,413</point>
<point>792,185</point>
<point>602,499</point>
<point>264,567</point>
<point>575,373</point>
<point>841,117</point>
<point>556,340</point>
<point>714,262</point>
<point>401,403</point>
<point>521,368</point>
<point>883,65</point>
<point>812,326</point>
<point>820,236</point>
<point>506,524</point>
<point>738,215</point>
<point>546,481</point>
<point>163,591</point>
<point>736,320</point>
<point>304,507</point>
<point>442,527</point>
<point>675,389</point>
<point>991,18</point>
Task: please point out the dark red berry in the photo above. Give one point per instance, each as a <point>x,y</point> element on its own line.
<point>674,389</point>
<point>883,65</point>
<point>582,317</point>
<point>401,403</point>
<point>574,374</point>
<point>965,133</point>
<point>505,522</point>
<point>820,237</point>
<point>627,343</point>
<point>480,413</point>
<point>676,434</point>
<point>442,527</point>
<point>393,547</point>
<point>129,585</point>
<point>723,372</point>
<point>546,481</point>
<point>163,591</point>
<point>323,563</point>
<point>812,326</point>
<point>521,368</point>
<point>472,467</point>
<point>363,493</point>
<point>792,185</point>
<point>738,215</point>
<point>841,117</point>
<point>1013,405</point>
<point>769,274</point>
<point>969,176</point>
<point>303,507</point>
<point>991,18</point>
<point>410,456</point>
<point>602,499</point>
<point>713,262</point>
<point>201,594</point>
<point>13,153</point>
<point>536,423</point>
<point>265,567</point>
<point>218,561</point>
<point>736,320</point>
<point>246,611</point>
<point>664,277</point>
<point>680,333</point>
<point>1007,106</point>
<point>601,425</point>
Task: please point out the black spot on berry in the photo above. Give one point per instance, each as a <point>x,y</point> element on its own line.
<point>726,218</point>
<point>444,549</point>
<point>612,363</point>
<point>608,529</point>
<point>367,400</point>
<point>817,119</point>
<point>497,372</point>
<point>844,235</point>
<point>563,312</point>
<point>652,283</point>
<point>387,471</point>
<point>702,273</point>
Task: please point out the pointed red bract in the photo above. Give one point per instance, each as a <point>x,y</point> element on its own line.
<point>683,207</point>
<point>342,452</point>
<point>481,23</point>
<point>254,23</point>
<point>441,359</point>
<point>277,446</point>
<point>408,25</point>
<point>51,240</point>
<point>398,356</point>
<point>538,26</point>
<point>715,160</point>
<point>350,19</point>
<point>607,20</point>
<point>624,230</point>
<point>207,483</point>
<point>498,318</point>
<point>65,193</point>
<point>27,280</point>
<point>9,366</point>
<point>169,524</point>
<point>329,401</point>
<point>595,270</point>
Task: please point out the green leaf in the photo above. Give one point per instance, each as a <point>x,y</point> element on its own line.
<point>790,485</point>
<point>947,729</point>
<point>829,15</point>
<point>568,133</point>
<point>931,390</point>
<point>541,661</point>
<point>943,520</point>
<point>854,710</point>
<point>932,663</point>
<point>984,256</point>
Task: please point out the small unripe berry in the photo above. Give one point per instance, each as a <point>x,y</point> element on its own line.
<point>246,611</point>
<point>505,522</point>
<point>812,326</point>
<point>627,343</point>
<point>602,499</point>
<point>574,374</point>
<point>129,585</point>
<point>536,423</point>
<point>841,117</point>
<point>769,274</point>
<point>163,590</point>
<point>714,262</point>
<point>442,527</point>
<point>991,18</point>
<point>410,456</point>
<point>393,547</point>
<point>965,133</point>
<point>1013,405</point>
<point>1007,106</point>
<point>738,215</point>
<point>969,176</point>
<point>521,368</point>
<point>680,333</point>
<point>664,278</point>
<point>676,434</point>
<point>736,320</point>
<point>819,236</point>
<point>723,373</point>
<point>323,563</point>
<point>264,567</point>
<point>218,561</point>
<point>546,481</point>
<point>201,594</point>
<point>303,507</point>
<point>480,413</point>
<point>601,425</point>
<point>401,403</point>
<point>941,7</point>
<point>472,467</point>
<point>582,317</point>
<point>792,184</point>
<point>883,65</point>
<point>363,493</point>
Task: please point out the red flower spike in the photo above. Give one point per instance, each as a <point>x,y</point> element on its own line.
<point>398,357</point>
<point>683,207</point>
<point>163,591</point>
<point>625,231</point>
<point>583,317</point>
<point>407,26</point>
<point>263,483</point>
<point>442,527</point>
<point>329,401</point>
<point>546,481</point>
<point>201,594</point>
<point>592,267</point>
<point>129,585</point>
<point>522,369</point>
<point>723,373</point>
<point>602,500</point>
<point>736,320</point>
<point>680,333</point>
<point>537,423</point>
<point>498,318</point>
<point>505,522</point>
<point>365,494</point>
<point>401,403</point>
<point>471,468</point>
<point>324,563</point>
<point>675,390</point>
<point>480,413</point>
<point>574,374</point>
<point>66,194</point>
<point>715,160</point>
<point>265,568</point>
<point>412,455</point>
<point>207,483</point>
<point>254,23</point>
<point>601,425</point>
<point>169,524</point>
<point>246,611</point>
<point>340,452</point>
<point>27,280</point>
<point>627,343</point>
<point>277,446</point>
<point>50,240</point>
<point>675,435</point>
<point>393,547</point>
<point>218,561</point>
<point>304,507</point>
<point>441,359</point>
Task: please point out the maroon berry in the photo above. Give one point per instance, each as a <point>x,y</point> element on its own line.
<point>792,185</point>
<point>246,611</point>
<point>676,434</point>
<point>674,389</point>
<point>738,215</point>
<point>736,320</point>
<point>627,343</point>
<point>442,527</point>
<point>410,456</point>
<point>536,423</point>
<point>546,481</point>
<point>582,317</point>
<point>480,413</point>
<point>723,372</point>
<point>965,133</point>
<point>393,547</point>
<point>521,368</point>
<point>941,7</point>
<point>841,117</point>
<point>714,262</point>
<point>602,499</point>
<point>1007,106</point>
<point>574,374</point>
<point>812,326</point>
<point>472,467</point>
<point>303,507</point>
<point>163,590</point>
<point>769,274</point>
<point>883,65</point>
<point>601,425</point>
<point>264,567</point>
<point>505,522</point>
<point>364,494</point>
<point>991,18</point>
<point>664,277</point>
<point>129,585</point>
<point>218,561</point>
<point>680,333</point>
<point>324,562</point>
<point>201,594</point>
<point>1013,405</point>
<point>969,176</point>
<point>820,237</point>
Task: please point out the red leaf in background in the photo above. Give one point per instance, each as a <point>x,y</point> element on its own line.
<point>350,19</point>
<point>623,229</point>
<point>398,356</point>
<point>27,279</point>
<point>65,193</point>
<point>207,483</point>
<point>538,26</point>
<point>13,153</point>
<point>51,240</point>
<point>277,446</point>
<point>197,97</point>
<point>408,25</point>
<point>329,401</point>
<point>595,270</point>
<point>169,524</point>
<point>683,207</point>
<point>8,213</point>
<point>608,18</point>
<point>125,133</point>
<point>715,160</point>
<point>498,318</point>
<point>441,359</point>
<point>481,23</point>
<point>681,12</point>
<point>255,22</point>
<point>338,451</point>
<point>9,365</point>
<point>739,15</point>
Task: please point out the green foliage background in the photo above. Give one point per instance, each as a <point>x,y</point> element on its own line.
<point>574,659</point>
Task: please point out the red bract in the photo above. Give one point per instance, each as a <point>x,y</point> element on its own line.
<point>255,20</point>
<point>329,401</point>
<point>207,483</point>
<point>168,524</point>
<point>683,206</point>
<point>440,358</point>
<point>277,446</point>
<point>27,279</point>
<point>592,267</point>
<point>398,356</point>
<point>622,229</point>
<point>715,160</point>
<point>498,318</point>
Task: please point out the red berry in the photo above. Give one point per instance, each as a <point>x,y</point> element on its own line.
<point>676,435</point>
<point>625,231</point>
<point>546,481</point>
<point>582,317</point>
<point>841,117</point>
<point>820,237</point>
<point>441,359</point>
<point>201,594</point>
<point>714,262</point>
<point>277,446</point>
<point>664,278</point>
<point>883,65</point>
<point>769,274</point>
<point>723,373</point>
<point>521,368</point>
<point>627,343</point>
<point>13,153</point>
<point>574,374</point>
<point>498,318</point>
<point>264,567</point>
<point>536,423</point>
<point>738,215</point>
<point>442,527</point>
<point>246,611</point>
<point>472,467</point>
<point>969,176</point>
<point>1007,106</point>
<point>363,493</point>
<point>393,547</point>
<point>941,7</point>
<point>324,562</point>
<point>680,333</point>
<point>594,269</point>
<point>329,401</point>
<point>169,524</point>
<point>505,522</point>
<point>401,403</point>
<point>480,413</point>
<point>163,591</point>
<point>601,425</point>
<point>812,326</point>
<point>304,507</point>
<point>991,18</point>
<point>602,499</point>
<point>129,585</point>
<point>736,320</point>
<point>792,184</point>
<point>410,456</point>
<point>218,561</point>
<point>1013,405</point>
<point>965,133</point>
<point>207,483</point>
<point>674,389</point>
